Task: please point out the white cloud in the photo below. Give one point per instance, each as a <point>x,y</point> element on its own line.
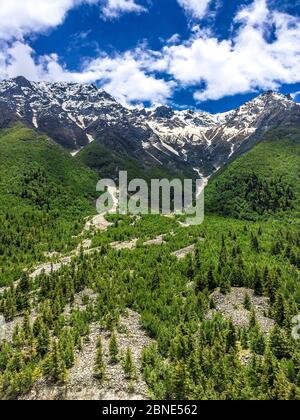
<point>113,8</point>
<point>20,59</point>
<point>125,76</point>
<point>196,8</point>
<point>122,76</point>
<point>262,53</point>
<point>295,95</point>
<point>22,17</point>
<point>174,39</point>
<point>247,61</point>
<point>255,14</point>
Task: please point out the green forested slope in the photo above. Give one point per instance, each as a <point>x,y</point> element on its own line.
<point>195,354</point>
<point>44,194</point>
<point>263,182</point>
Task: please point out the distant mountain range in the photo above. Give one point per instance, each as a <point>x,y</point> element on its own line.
<point>76,115</point>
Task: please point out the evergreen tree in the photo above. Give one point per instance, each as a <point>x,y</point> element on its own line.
<point>225,286</point>
<point>180,382</point>
<point>99,369</point>
<point>114,349</point>
<point>22,293</point>
<point>258,283</point>
<point>66,347</point>
<point>55,367</point>
<point>201,283</point>
<point>211,281</point>
<point>280,344</point>
<point>247,302</point>
<point>280,310</point>
<point>231,338</point>
<point>257,340</point>
<point>255,244</point>
<point>128,365</point>
<point>252,320</point>
<point>282,388</point>
<point>41,332</point>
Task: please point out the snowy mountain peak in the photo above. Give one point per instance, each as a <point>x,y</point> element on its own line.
<point>74,115</point>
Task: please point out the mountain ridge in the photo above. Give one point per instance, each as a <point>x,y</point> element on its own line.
<point>75,115</point>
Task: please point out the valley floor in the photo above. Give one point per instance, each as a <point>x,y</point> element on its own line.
<point>166,293</point>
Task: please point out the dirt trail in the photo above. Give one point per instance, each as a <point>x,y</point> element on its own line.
<point>124,245</point>
<point>49,268</point>
<point>156,241</point>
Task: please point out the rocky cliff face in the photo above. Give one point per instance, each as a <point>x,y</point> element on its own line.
<point>75,115</point>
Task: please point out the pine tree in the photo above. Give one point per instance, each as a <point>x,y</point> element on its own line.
<point>99,368</point>
<point>42,335</point>
<point>252,320</point>
<point>231,338</point>
<point>257,340</point>
<point>280,310</point>
<point>247,302</point>
<point>270,367</point>
<point>258,283</point>
<point>55,366</point>
<point>201,283</point>
<point>10,305</point>
<point>280,344</point>
<point>114,349</point>
<point>255,244</point>
<point>225,286</point>
<point>28,333</point>
<point>211,281</point>
<point>180,382</point>
<point>244,339</point>
<point>282,387</point>
<point>128,365</point>
<point>22,293</point>
<point>26,326</point>
<point>24,284</point>
<point>66,347</point>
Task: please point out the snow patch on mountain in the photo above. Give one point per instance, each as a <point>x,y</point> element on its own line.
<point>75,115</point>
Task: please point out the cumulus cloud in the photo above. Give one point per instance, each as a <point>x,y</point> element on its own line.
<point>195,8</point>
<point>20,59</point>
<point>263,52</point>
<point>19,18</point>
<point>22,17</point>
<point>296,96</point>
<point>113,8</point>
<point>174,39</point>
<point>250,60</point>
<point>125,76</point>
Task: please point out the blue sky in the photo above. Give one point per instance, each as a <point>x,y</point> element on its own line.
<point>204,54</point>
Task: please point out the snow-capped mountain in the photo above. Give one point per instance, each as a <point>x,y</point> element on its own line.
<point>75,115</point>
